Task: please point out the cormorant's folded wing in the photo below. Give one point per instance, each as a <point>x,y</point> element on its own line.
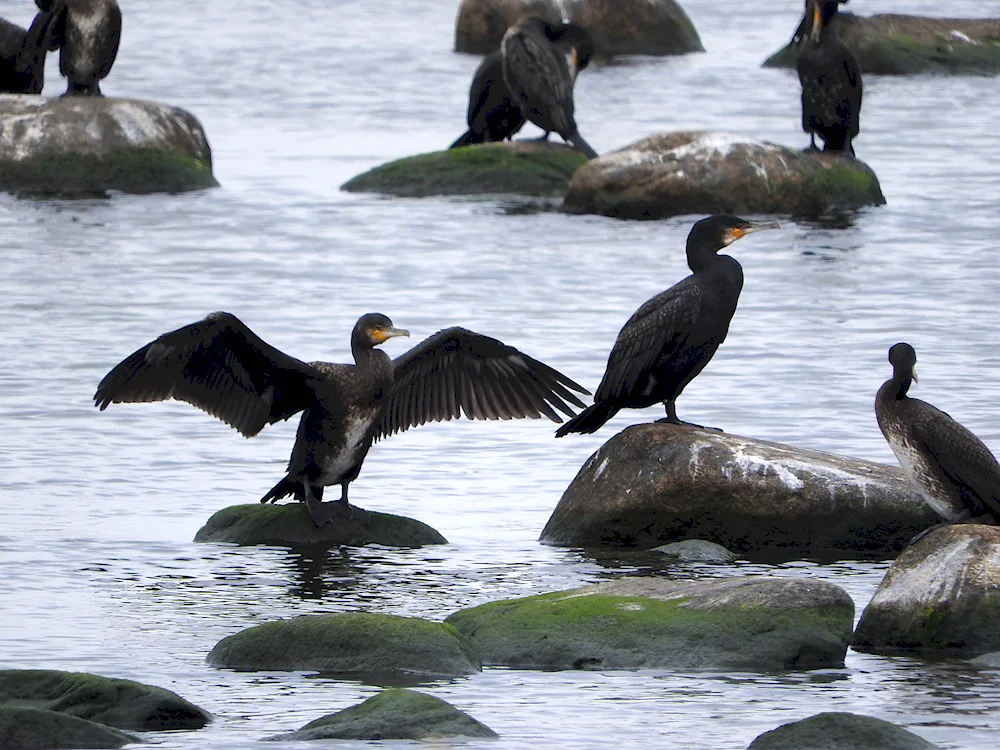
<point>487,75</point>
<point>219,365</point>
<point>534,68</point>
<point>456,371</point>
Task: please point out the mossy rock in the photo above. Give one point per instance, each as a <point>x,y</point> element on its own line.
<point>350,642</point>
<point>393,714</point>
<point>698,172</point>
<point>24,728</point>
<point>840,731</point>
<point>534,168</point>
<point>85,146</point>
<point>123,704</point>
<point>635,623</point>
<point>890,44</point>
<point>290,525</point>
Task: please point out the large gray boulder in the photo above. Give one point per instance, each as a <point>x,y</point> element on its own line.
<point>940,597</point>
<point>635,27</point>
<point>349,642</point>
<point>892,44</point>
<point>634,623</point>
<point>840,731</point>
<point>481,24</point>
<point>89,145</point>
<point>393,714</point>
<point>656,483</point>
<point>26,728</point>
<point>700,172</point>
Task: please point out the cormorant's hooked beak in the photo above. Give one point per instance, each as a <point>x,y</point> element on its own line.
<point>754,226</point>
<point>817,25</point>
<point>913,375</point>
<point>382,335</point>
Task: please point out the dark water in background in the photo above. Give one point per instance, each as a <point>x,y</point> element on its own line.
<point>98,510</point>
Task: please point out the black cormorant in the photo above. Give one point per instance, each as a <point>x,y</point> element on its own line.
<point>954,471</point>
<point>671,338</point>
<point>22,54</point>
<point>536,73</point>
<point>88,32</point>
<point>806,24</point>
<point>831,83</point>
<point>219,365</point>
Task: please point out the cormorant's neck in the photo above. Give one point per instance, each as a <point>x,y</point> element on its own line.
<point>364,353</point>
<point>900,385</point>
<point>699,258</point>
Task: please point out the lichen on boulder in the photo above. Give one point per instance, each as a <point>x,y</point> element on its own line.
<point>656,483</point>
<point>699,172</point>
<point>891,44</point>
<point>940,597</point>
<point>481,24</point>
<point>289,525</point>
<point>349,642</point>
<point>393,714</point>
<point>635,27</point>
<point>535,168</point>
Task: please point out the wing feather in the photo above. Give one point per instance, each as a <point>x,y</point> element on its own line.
<point>538,77</point>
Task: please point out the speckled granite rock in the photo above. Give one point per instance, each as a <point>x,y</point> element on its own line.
<point>699,172</point>
<point>481,24</point>
<point>840,731</point>
<point>940,597</point>
<point>635,27</point>
<point>86,145</point>
<point>655,483</point>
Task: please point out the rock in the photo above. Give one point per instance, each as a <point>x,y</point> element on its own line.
<point>940,597</point>
<point>649,622</point>
<point>656,483</point>
<point>635,27</point>
<point>698,172</point>
<point>26,728</point>
<point>85,145</point>
<point>349,642</point>
<point>892,44</point>
<point>289,524</point>
<point>481,24</point>
<point>696,550</point>
<point>521,167</point>
<point>840,731</point>
<point>122,704</point>
<point>394,714</point>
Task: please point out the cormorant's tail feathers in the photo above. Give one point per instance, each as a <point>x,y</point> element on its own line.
<point>590,419</point>
<point>577,142</point>
<point>284,488</point>
<point>468,138</point>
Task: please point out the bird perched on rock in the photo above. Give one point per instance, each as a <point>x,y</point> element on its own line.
<point>536,73</point>
<point>671,338</point>
<point>88,33</point>
<point>954,471</point>
<point>219,365</point>
<point>22,54</point>
<point>831,83</point>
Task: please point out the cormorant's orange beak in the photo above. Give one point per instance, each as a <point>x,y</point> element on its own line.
<point>381,335</point>
<point>817,22</point>
<point>756,226</point>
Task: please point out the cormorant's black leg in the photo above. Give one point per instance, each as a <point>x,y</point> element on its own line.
<point>344,506</point>
<point>314,506</point>
<point>812,144</point>
<point>671,418</point>
<point>964,517</point>
<point>544,137</point>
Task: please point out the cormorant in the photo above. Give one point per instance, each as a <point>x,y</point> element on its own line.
<point>493,115</point>
<point>806,24</point>
<point>671,338</point>
<point>954,471</point>
<point>88,32</point>
<point>536,73</point>
<point>831,83</point>
<point>22,54</point>
<point>222,367</point>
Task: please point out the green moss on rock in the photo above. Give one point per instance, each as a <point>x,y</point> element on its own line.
<point>840,731</point>
<point>289,524</point>
<point>394,714</point>
<point>520,167</point>
<point>350,642</point>
<point>24,728</point>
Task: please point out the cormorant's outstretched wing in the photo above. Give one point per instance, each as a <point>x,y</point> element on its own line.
<point>539,80</point>
<point>654,332</point>
<point>219,365</point>
<point>456,371</point>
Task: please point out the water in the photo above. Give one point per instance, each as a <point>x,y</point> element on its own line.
<point>99,509</point>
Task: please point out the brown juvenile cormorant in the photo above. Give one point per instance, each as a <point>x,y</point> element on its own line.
<point>831,83</point>
<point>536,73</point>
<point>219,365</point>
<point>88,32</point>
<point>493,115</point>
<point>671,338</point>
<point>954,471</point>
<point>22,54</point>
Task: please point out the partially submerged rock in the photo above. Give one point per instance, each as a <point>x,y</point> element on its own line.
<point>123,704</point>
<point>940,597</point>
<point>840,731</point>
<point>633,623</point>
<point>699,172</point>
<point>635,27</point>
<point>893,44</point>
<point>394,714</point>
<point>481,24</point>
<point>89,145</point>
<point>25,728</point>
<point>349,642</point>
<point>696,550</point>
<point>519,167</point>
<point>289,524</point>
<point>655,483</point>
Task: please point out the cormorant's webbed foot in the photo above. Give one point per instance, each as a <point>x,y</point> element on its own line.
<point>315,507</point>
<point>671,418</point>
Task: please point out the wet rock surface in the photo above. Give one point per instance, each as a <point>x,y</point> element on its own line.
<point>634,623</point>
<point>636,27</point>
<point>700,172</point>
<point>656,483</point>
<point>941,596</point>
<point>481,24</point>
<point>840,731</point>
<point>23,728</point>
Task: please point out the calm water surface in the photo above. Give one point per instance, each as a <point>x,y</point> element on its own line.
<point>98,569</point>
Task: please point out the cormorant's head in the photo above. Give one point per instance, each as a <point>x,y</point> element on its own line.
<point>374,329</point>
<point>577,39</point>
<point>822,12</point>
<point>722,230</point>
<point>903,359</point>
